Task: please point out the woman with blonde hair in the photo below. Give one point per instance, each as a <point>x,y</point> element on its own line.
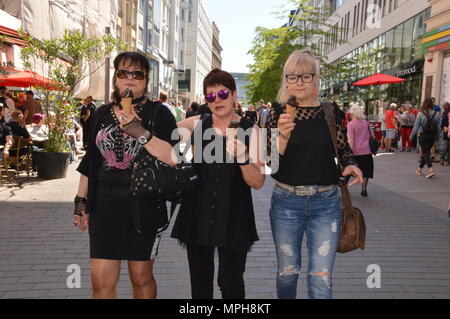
<point>358,134</point>
<point>306,197</point>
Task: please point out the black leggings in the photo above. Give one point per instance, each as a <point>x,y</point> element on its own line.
<point>426,143</point>
<point>231,272</point>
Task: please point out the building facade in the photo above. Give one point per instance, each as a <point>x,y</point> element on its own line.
<point>379,36</point>
<point>436,48</point>
<point>216,48</point>
<point>198,51</point>
<point>241,82</point>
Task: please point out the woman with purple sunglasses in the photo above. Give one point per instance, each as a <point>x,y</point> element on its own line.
<point>220,212</point>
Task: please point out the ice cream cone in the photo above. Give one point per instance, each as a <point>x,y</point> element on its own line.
<point>126,102</point>
<point>291,107</point>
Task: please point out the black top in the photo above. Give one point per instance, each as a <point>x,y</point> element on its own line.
<point>444,123</point>
<point>4,132</point>
<point>109,157</point>
<point>309,158</point>
<point>18,130</point>
<point>191,114</point>
<point>220,212</point>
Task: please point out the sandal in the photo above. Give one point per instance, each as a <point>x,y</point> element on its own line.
<point>430,175</point>
<point>418,171</point>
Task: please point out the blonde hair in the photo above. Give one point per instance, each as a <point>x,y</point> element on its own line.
<point>357,112</point>
<point>299,62</point>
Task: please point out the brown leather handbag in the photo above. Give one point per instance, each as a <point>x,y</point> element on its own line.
<point>353,226</point>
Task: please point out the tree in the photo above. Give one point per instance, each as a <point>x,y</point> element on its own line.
<point>66,61</point>
<point>272,47</point>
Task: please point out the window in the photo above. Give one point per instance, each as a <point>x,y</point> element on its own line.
<point>141,5</point>
<point>418,29</point>
<point>354,21</point>
<point>383,10</point>
<point>190,16</point>
<point>389,52</point>
<point>407,42</point>
<point>141,35</point>
<point>127,12</point>
<point>397,45</point>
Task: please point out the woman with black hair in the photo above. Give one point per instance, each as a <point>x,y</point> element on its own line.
<point>220,212</point>
<point>117,134</point>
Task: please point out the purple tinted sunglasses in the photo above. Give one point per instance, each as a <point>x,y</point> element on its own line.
<point>224,94</point>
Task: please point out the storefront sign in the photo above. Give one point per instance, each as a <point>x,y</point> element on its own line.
<point>411,70</point>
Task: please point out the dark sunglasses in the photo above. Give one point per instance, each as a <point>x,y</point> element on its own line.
<point>124,74</point>
<point>224,94</point>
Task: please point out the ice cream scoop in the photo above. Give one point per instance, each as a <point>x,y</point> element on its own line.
<point>291,106</point>
<point>126,101</point>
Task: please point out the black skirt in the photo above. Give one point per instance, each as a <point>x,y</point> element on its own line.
<point>131,248</point>
<point>365,163</point>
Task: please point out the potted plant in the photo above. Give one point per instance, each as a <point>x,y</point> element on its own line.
<point>65,62</point>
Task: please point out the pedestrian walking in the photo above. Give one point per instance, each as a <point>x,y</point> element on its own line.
<point>391,127</point>
<point>427,128</point>
<point>358,134</point>
<point>306,197</point>
<point>407,124</point>
<point>219,214</point>
<point>193,110</point>
<point>445,156</point>
<point>103,202</point>
<point>251,114</point>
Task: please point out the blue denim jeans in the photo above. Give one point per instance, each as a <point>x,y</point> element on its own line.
<point>318,215</point>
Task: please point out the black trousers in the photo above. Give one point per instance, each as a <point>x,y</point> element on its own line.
<point>426,142</point>
<point>230,277</point>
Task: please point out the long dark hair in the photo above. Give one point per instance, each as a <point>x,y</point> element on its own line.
<point>427,105</point>
<point>134,59</point>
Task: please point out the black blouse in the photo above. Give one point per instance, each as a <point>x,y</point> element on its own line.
<point>220,212</point>
<point>309,158</point>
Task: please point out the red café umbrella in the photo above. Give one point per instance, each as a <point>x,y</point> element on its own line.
<point>26,79</point>
<point>377,79</point>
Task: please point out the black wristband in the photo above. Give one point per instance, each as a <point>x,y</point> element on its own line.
<point>80,200</point>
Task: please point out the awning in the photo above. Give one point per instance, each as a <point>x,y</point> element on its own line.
<point>12,36</point>
<point>378,79</point>
<point>27,79</point>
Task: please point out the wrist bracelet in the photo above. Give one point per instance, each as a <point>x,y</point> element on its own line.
<point>80,200</point>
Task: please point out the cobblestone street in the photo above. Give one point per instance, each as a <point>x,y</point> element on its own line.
<point>408,236</point>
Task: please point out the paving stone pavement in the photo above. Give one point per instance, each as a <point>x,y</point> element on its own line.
<point>408,237</point>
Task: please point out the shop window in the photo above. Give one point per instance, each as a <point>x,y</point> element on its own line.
<point>388,50</point>
<point>398,34</point>
<point>418,29</point>
<point>408,27</point>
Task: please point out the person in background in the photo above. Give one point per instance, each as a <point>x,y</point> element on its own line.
<point>427,127</point>
<point>86,115</point>
<point>6,140</point>
<point>264,115</point>
<point>38,130</point>
<point>251,114</point>
<point>21,101</point>
<point>358,134</point>
<point>391,127</point>
<point>383,128</point>
<point>193,110</point>
<point>8,104</point>
<point>31,106</point>
<point>445,156</point>
<point>238,109</point>
<point>407,124</point>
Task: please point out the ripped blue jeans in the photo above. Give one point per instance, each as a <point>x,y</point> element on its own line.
<point>318,215</point>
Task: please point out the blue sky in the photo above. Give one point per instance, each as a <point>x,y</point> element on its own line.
<point>237,21</point>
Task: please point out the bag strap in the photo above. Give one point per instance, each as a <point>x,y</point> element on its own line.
<point>331,120</point>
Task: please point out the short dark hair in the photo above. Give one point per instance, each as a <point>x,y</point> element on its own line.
<point>135,59</point>
<point>219,77</point>
<point>195,106</point>
<point>163,97</point>
<point>2,88</point>
<point>29,92</point>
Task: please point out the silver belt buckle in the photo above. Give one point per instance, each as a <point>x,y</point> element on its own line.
<point>305,190</point>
